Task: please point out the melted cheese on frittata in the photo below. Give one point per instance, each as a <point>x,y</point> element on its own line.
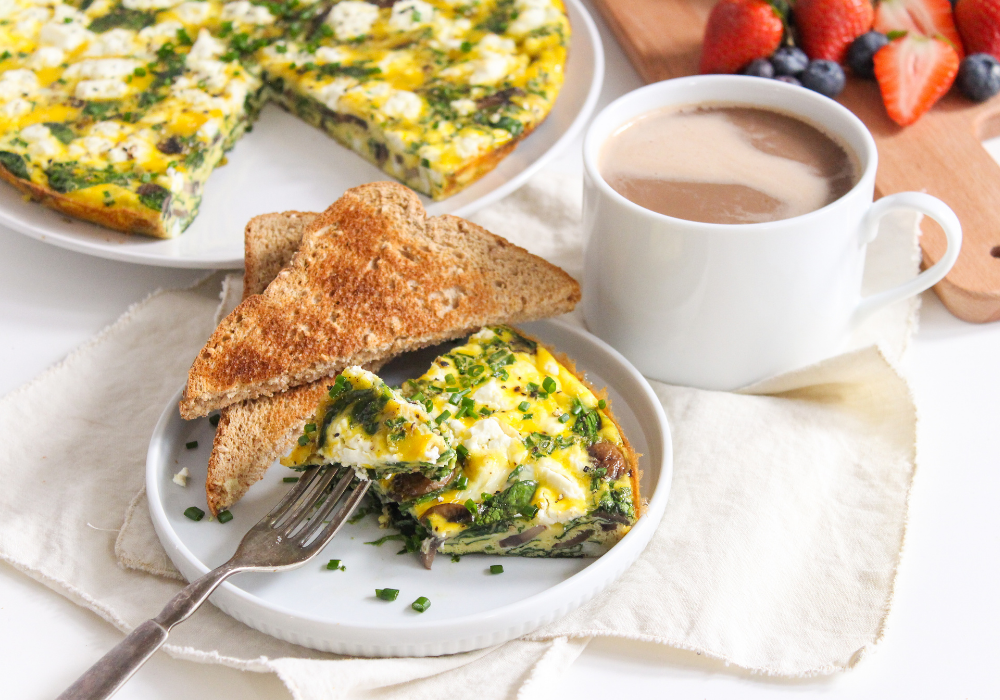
<point>132,103</point>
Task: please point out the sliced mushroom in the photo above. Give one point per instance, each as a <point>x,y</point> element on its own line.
<point>406,487</point>
<point>428,548</point>
<point>522,537</point>
<point>170,147</point>
<point>607,456</point>
<point>501,97</point>
<point>612,517</point>
<point>452,512</point>
<point>574,540</point>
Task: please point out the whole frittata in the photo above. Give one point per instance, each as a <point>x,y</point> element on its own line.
<point>117,111</point>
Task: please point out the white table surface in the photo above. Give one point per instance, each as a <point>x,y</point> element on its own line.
<point>941,639</point>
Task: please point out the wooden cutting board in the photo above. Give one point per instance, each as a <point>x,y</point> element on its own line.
<point>941,154</point>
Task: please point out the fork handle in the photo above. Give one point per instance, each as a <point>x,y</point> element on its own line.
<point>106,676</point>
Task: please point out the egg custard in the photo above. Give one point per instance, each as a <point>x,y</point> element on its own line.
<point>499,448</point>
<point>117,111</point>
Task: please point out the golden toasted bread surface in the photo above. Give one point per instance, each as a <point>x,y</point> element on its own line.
<point>374,276</point>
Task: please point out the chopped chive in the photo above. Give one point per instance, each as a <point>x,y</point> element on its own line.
<point>418,397</point>
<point>549,385</point>
<point>290,479</point>
<point>602,404</point>
<point>523,406</point>
<point>310,427</point>
<point>195,513</point>
<point>577,408</point>
<point>445,415</point>
<point>470,506</point>
<point>449,378</point>
<point>214,420</point>
<point>388,594</point>
<point>565,418</point>
<point>496,568</point>
<point>225,516</point>
<point>335,565</point>
<point>303,440</point>
<point>527,416</point>
<point>466,46</point>
<point>476,370</point>
<point>191,445</point>
<point>532,386</point>
<point>462,451</point>
<point>421,604</point>
<point>461,483</point>
<point>461,412</point>
<point>468,403</point>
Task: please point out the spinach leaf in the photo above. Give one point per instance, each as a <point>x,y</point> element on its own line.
<point>510,124</point>
<point>100,110</point>
<point>618,501</point>
<point>64,177</point>
<point>15,164</point>
<point>123,17</point>
<point>61,131</point>
<point>511,503</point>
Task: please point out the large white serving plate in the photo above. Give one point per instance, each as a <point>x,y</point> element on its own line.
<point>470,608</point>
<point>285,164</point>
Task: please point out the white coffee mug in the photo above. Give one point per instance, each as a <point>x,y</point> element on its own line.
<point>720,306</point>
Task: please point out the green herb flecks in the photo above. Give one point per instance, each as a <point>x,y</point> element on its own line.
<point>421,604</point>
<point>335,565</point>
<point>194,513</point>
<point>225,516</point>
<point>386,594</point>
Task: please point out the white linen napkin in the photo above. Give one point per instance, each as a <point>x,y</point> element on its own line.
<point>777,552</point>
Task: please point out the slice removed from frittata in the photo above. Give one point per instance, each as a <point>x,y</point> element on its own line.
<point>542,468</point>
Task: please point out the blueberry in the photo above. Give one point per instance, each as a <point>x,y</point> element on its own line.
<point>759,67</point>
<point>789,60</point>
<point>824,77</point>
<point>788,79</point>
<point>861,53</point>
<point>979,77</point>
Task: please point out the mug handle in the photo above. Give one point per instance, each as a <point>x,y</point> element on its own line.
<point>929,206</point>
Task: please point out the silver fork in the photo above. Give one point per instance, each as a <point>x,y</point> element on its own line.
<point>287,537</point>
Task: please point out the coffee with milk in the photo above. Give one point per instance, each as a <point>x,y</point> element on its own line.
<point>726,164</point>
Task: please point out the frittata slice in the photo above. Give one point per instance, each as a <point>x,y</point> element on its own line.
<point>542,468</point>
<point>435,93</point>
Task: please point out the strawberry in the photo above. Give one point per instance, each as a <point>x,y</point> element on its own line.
<point>979,24</point>
<point>827,27</point>
<point>914,72</point>
<point>739,31</point>
<point>927,17</point>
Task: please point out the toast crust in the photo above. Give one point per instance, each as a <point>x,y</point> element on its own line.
<point>373,277</point>
<point>117,218</point>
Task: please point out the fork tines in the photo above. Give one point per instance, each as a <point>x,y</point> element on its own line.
<point>304,514</point>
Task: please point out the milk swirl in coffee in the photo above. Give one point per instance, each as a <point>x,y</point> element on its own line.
<point>726,164</point>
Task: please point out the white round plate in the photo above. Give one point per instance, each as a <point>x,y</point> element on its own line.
<point>337,611</point>
<point>287,165</point>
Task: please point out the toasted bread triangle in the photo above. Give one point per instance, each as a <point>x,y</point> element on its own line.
<point>373,277</point>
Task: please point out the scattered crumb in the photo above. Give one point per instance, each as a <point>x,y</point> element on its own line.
<point>181,477</point>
